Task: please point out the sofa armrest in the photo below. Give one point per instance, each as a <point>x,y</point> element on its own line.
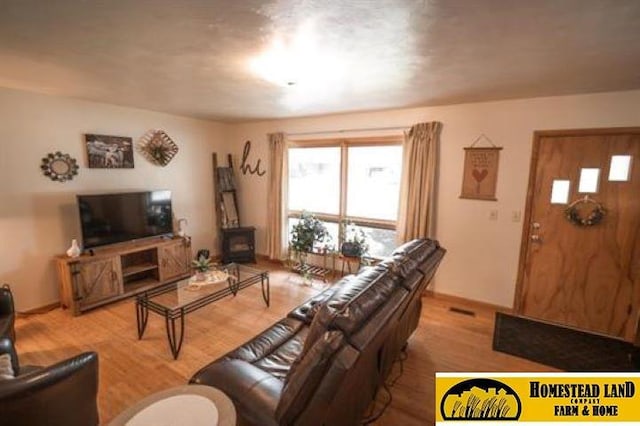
<point>254,392</point>
<point>69,383</point>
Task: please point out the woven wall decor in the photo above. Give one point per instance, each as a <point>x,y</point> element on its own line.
<point>158,147</point>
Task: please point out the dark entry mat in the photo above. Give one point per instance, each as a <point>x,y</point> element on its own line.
<point>561,347</point>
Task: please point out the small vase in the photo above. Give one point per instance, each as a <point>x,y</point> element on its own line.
<point>74,250</point>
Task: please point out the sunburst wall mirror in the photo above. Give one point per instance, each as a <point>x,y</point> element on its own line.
<point>59,167</point>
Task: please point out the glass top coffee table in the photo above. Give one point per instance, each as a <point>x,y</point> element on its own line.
<point>176,299</point>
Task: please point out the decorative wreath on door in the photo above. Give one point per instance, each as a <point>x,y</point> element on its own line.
<point>595,215</point>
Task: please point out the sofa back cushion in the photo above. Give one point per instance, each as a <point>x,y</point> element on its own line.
<point>307,311</point>
<point>418,249</point>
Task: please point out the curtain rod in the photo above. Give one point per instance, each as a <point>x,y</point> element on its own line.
<point>321,132</point>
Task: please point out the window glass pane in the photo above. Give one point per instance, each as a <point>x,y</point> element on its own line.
<point>381,241</point>
<point>373,183</point>
<point>588,181</point>
<point>314,179</point>
<point>332,227</point>
<point>560,191</point>
<point>620,168</point>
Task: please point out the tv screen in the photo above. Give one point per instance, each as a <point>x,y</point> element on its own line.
<point>114,218</point>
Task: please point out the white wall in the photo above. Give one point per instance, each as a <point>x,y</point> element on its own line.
<point>482,257</point>
<point>38,217</point>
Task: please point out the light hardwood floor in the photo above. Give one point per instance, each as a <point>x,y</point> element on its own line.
<point>131,369</point>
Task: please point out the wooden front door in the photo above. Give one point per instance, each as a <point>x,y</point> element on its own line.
<point>581,275</point>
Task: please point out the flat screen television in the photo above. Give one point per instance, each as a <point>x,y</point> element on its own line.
<point>115,218</point>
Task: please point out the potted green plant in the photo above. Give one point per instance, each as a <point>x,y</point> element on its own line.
<point>202,265</point>
<point>305,234</point>
<point>355,240</point>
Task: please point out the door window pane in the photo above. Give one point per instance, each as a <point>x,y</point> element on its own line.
<point>620,168</point>
<point>560,191</point>
<point>588,181</point>
<point>314,179</point>
<point>373,183</point>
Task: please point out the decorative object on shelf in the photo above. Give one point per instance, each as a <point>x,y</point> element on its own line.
<point>480,173</point>
<point>181,231</point>
<point>593,217</point>
<point>74,250</point>
<point>59,167</point>
<point>158,147</point>
<point>355,240</point>
<point>246,168</point>
<point>109,152</point>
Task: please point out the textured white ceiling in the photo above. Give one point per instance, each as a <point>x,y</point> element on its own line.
<point>192,57</point>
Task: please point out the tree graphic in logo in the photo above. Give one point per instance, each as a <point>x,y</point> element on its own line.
<point>480,399</point>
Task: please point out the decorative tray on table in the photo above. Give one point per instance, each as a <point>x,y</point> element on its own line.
<point>211,277</point>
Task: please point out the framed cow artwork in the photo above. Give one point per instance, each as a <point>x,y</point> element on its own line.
<point>109,152</point>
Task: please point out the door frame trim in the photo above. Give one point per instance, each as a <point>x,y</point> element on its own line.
<point>526,229</point>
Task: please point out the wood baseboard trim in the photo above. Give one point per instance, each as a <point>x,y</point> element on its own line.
<point>265,258</point>
<point>464,301</point>
<point>40,310</point>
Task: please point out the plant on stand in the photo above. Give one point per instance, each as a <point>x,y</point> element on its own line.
<point>355,240</point>
<point>307,233</point>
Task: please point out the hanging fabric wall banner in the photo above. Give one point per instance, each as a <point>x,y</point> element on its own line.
<point>480,174</point>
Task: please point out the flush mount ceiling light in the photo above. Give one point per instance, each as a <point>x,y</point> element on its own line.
<point>299,60</point>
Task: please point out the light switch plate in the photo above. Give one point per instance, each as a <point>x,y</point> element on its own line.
<point>516,216</point>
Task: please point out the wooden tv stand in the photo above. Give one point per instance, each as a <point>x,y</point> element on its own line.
<point>119,271</point>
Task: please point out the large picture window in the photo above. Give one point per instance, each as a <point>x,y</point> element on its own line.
<point>348,180</point>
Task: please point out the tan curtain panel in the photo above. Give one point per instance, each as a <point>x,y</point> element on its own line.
<point>418,186</point>
<point>276,196</point>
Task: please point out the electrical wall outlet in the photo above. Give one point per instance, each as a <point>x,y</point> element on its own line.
<point>493,214</point>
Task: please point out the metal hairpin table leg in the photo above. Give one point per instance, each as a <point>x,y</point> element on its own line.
<point>265,295</point>
<point>175,340</point>
<point>142,315</point>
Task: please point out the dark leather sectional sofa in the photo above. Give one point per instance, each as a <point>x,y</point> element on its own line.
<point>322,364</point>
<point>7,313</point>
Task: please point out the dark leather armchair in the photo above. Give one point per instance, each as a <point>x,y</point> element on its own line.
<point>7,313</point>
<point>61,394</point>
